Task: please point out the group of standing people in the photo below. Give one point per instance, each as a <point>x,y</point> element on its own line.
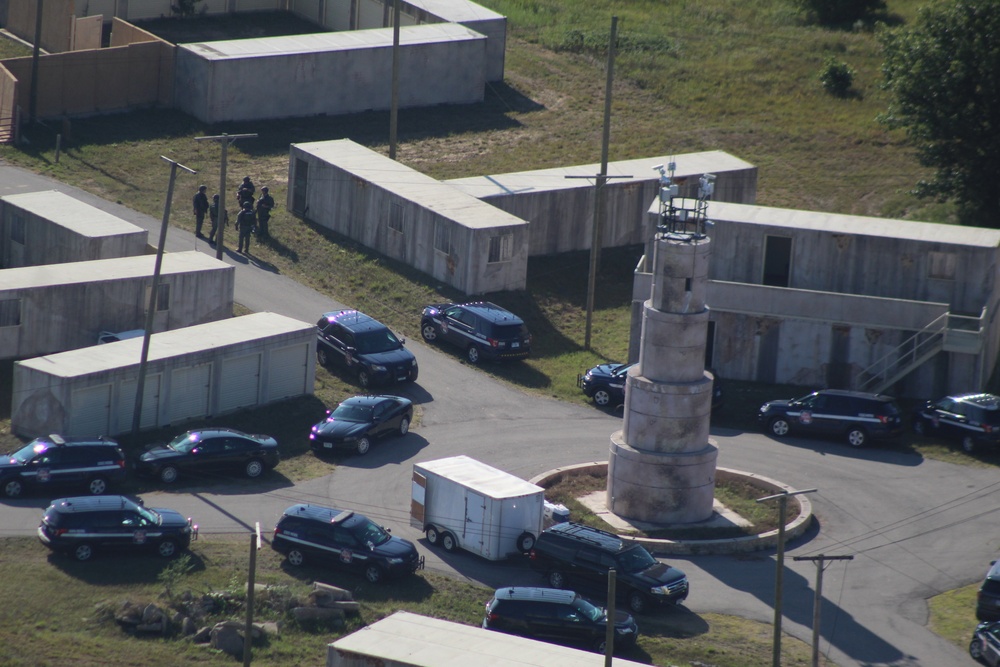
<point>254,215</point>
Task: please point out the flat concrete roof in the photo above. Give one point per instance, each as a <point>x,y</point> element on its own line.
<point>410,184</point>
<point>478,476</point>
<point>73,214</point>
<point>857,225</point>
<point>640,170</point>
<point>107,270</point>
<point>167,344</point>
<point>457,11</point>
<point>411,639</point>
<point>427,33</point>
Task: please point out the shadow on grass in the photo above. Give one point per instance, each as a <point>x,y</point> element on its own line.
<point>118,567</point>
<point>388,450</point>
<point>407,588</point>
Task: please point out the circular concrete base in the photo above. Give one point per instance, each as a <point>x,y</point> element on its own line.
<point>768,540</point>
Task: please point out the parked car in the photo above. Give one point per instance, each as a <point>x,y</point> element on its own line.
<point>854,416</point>
<point>971,419</point>
<point>605,383</point>
<point>483,330</point>
<point>343,539</point>
<point>578,554</point>
<point>114,337</point>
<point>988,597</point>
<point>56,462</point>
<point>80,526</point>
<point>557,616</point>
<point>356,422</point>
<point>214,449</point>
<point>365,347</point>
<point>985,644</point>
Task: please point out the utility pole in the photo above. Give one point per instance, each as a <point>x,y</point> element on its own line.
<point>818,600</point>
<point>602,178</point>
<point>394,104</point>
<point>780,567</point>
<point>251,582</point>
<point>33,95</point>
<point>609,630</point>
<point>153,293</point>
<point>223,139</point>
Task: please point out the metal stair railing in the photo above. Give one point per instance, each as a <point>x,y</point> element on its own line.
<point>904,358</point>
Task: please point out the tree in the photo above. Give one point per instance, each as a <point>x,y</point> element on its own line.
<point>944,78</point>
<point>834,12</point>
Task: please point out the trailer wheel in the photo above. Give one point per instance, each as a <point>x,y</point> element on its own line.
<point>449,542</point>
<point>525,541</point>
<point>433,536</point>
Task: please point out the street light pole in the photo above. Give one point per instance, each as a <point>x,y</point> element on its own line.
<point>818,600</point>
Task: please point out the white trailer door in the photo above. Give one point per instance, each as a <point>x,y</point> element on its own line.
<point>287,372</point>
<point>240,383</point>
<point>150,403</point>
<point>418,498</point>
<point>475,519</point>
<point>189,392</point>
<point>91,413</point>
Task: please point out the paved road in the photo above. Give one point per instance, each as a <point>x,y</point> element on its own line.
<point>916,527</point>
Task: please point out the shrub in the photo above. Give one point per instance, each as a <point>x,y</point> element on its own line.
<point>837,77</point>
<point>835,12</point>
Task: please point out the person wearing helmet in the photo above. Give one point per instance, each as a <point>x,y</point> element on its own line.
<point>264,206</point>
<point>200,204</point>
<point>245,223</point>
<point>245,191</point>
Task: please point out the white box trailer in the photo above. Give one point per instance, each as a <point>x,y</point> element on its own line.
<point>459,502</point>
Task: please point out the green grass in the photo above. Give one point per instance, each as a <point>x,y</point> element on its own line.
<point>58,611</point>
<point>953,614</point>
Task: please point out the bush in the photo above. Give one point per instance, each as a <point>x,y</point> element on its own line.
<point>836,12</point>
<point>837,77</point>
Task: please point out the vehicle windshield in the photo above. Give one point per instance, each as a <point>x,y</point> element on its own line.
<point>587,610</point>
<point>376,341</point>
<point>352,413</point>
<point>635,559</point>
<point>149,515</point>
<point>29,451</point>
<point>185,443</point>
<point>621,369</point>
<point>370,533</point>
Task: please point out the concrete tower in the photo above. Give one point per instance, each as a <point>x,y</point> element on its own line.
<point>662,463</point>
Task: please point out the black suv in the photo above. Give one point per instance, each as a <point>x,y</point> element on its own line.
<point>365,347</point>
<point>852,415</point>
<point>557,616</point>
<point>972,419</point>
<point>344,539</point>
<point>988,597</point>
<point>583,555</point>
<point>605,383</point>
<point>55,462</point>
<point>484,330</point>
<point>79,526</point>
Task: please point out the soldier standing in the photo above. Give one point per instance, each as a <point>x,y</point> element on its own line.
<point>244,225</point>
<point>200,204</point>
<point>264,206</point>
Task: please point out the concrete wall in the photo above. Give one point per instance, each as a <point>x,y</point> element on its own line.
<point>52,308</point>
<point>330,73</point>
<point>559,202</point>
<point>50,227</point>
<point>91,392</point>
<point>407,216</point>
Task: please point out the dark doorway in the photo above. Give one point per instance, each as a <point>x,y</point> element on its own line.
<point>777,260</point>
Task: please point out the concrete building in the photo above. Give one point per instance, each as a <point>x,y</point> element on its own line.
<point>58,307</point>
<point>412,218</point>
<point>411,640</point>
<point>203,370</point>
<point>842,301</point>
<point>51,227</point>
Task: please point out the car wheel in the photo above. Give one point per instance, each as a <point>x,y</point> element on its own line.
<point>968,444</point>
<point>472,354</point>
<point>374,574</point>
<point>295,557</point>
<point>857,436</point>
<point>557,579</point>
<point>602,397</point>
<point>168,475</point>
<point>404,426</point>
<point>429,332</point>
<point>167,548</point>
<point>780,427</point>
<point>637,602</point>
<point>321,356</point>
<point>448,542</point>
<point>525,541</point>
<point>600,645</point>
<point>433,536</point>
<point>12,488</point>
<point>364,380</point>
<point>83,552</point>
<point>364,444</point>
<point>919,427</point>
<point>254,468</point>
<point>976,649</point>
<point>97,486</point>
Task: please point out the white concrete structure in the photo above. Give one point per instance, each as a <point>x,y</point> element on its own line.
<point>410,217</point>
<point>50,227</point>
<point>411,640</point>
<point>57,307</point>
<point>203,370</point>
